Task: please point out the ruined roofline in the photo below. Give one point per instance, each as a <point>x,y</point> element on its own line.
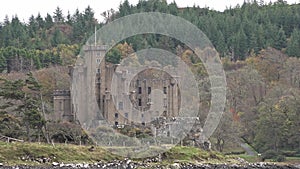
<point>61,93</point>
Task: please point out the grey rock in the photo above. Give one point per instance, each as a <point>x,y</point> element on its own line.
<point>128,164</point>
<point>79,165</point>
<point>55,164</point>
<point>61,165</point>
<point>175,166</point>
<point>86,165</point>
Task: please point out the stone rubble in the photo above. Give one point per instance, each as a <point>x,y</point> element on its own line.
<point>129,164</point>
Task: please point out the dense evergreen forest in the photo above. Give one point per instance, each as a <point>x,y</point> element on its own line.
<point>236,32</point>
<point>259,43</point>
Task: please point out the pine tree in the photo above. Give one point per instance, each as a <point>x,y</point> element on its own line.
<point>253,42</point>
<point>220,44</point>
<point>57,38</point>
<point>261,40</point>
<point>113,56</point>
<point>69,19</point>
<point>2,62</point>
<point>280,40</point>
<point>58,16</point>
<point>124,8</point>
<point>173,8</point>
<point>20,37</point>
<point>293,47</point>
<point>89,20</point>
<point>48,21</point>
<point>40,21</point>
<point>241,45</point>
<point>33,26</point>
<point>6,33</point>
<point>78,27</point>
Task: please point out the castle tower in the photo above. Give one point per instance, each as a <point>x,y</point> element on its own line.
<point>62,106</point>
<point>92,81</point>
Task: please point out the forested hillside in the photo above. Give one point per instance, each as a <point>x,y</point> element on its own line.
<point>236,32</point>
<point>259,43</point>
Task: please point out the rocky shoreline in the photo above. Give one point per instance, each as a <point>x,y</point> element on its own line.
<point>128,164</point>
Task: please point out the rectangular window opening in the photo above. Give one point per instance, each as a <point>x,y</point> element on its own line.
<point>165,102</point>
<point>61,106</point>
<point>98,60</point>
<point>121,106</point>
<point>165,90</point>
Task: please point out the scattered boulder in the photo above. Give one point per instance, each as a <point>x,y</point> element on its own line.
<point>55,164</point>
<point>92,148</point>
<point>128,164</point>
<point>175,166</point>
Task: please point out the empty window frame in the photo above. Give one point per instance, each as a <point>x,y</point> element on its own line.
<point>165,102</point>
<point>165,90</point>
<point>121,106</point>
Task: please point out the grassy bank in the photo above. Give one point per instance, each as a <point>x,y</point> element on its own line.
<point>28,153</point>
<point>254,159</point>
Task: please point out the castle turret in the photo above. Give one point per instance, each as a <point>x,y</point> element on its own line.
<point>62,106</point>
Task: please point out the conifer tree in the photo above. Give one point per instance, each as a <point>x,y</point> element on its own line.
<point>293,46</point>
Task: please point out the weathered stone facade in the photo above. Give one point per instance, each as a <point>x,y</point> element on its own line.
<point>62,106</point>
<point>120,97</point>
<point>153,93</point>
<point>141,104</point>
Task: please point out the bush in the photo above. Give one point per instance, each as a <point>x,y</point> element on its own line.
<point>289,153</point>
<point>269,154</point>
<point>272,154</point>
<point>280,158</point>
<point>238,152</point>
<point>67,132</point>
<point>104,129</point>
<point>297,153</point>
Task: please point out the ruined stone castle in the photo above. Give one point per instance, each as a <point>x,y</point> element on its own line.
<point>101,92</point>
<point>152,93</point>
